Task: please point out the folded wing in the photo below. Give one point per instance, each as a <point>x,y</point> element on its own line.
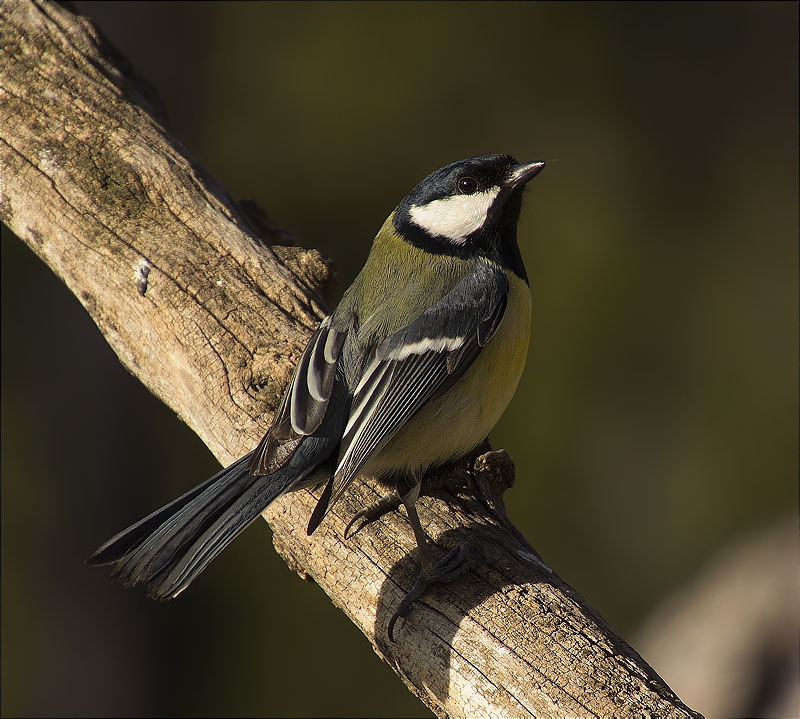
<point>413,365</point>
<point>304,402</point>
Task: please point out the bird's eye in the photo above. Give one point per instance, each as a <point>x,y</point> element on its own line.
<point>467,186</point>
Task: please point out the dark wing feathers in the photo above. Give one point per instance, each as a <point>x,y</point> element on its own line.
<point>304,403</point>
<point>418,362</point>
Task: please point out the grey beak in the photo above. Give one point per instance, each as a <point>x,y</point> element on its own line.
<point>520,174</point>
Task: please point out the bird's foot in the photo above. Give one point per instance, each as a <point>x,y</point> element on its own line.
<point>448,568</point>
<point>374,511</point>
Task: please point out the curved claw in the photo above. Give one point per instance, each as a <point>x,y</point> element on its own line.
<point>372,512</point>
<point>406,603</point>
<point>358,516</point>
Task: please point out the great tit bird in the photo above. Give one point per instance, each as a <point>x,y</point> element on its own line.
<point>410,371</point>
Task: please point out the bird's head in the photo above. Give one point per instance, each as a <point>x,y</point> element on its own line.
<point>469,208</point>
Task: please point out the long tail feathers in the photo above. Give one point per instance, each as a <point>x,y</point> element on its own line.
<point>169,548</point>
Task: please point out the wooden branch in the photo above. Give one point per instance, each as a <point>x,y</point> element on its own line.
<point>211,318</point>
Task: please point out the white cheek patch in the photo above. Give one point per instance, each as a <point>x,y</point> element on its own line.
<point>456,217</point>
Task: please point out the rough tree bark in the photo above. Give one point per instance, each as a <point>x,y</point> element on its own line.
<point>210,315</point>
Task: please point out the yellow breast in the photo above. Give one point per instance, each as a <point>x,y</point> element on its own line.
<point>451,425</point>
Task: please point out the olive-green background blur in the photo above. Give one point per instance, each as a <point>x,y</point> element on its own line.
<point>657,417</point>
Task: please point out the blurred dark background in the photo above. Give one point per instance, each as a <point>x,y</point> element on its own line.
<point>655,426</point>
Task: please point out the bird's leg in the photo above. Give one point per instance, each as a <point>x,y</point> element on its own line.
<point>374,511</point>
<point>408,492</point>
<point>448,568</point>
